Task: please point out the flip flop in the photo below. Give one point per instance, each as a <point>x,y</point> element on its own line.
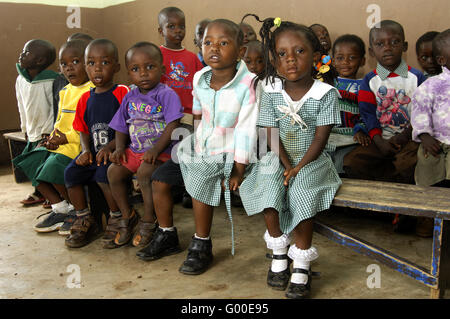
<point>32,199</point>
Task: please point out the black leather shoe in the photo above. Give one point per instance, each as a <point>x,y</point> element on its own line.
<point>278,280</point>
<point>187,200</point>
<point>163,243</point>
<point>300,291</point>
<point>199,257</point>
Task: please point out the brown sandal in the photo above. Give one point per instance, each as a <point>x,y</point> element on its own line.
<point>125,228</point>
<point>144,233</point>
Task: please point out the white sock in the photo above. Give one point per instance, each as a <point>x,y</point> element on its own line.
<point>167,228</point>
<point>202,238</point>
<point>279,264</point>
<point>298,278</point>
<point>62,207</point>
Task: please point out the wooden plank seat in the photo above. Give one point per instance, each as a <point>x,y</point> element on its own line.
<point>404,199</point>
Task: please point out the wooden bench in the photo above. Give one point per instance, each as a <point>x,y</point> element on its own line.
<point>433,202</point>
<point>16,144</point>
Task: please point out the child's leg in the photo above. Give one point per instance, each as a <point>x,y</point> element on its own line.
<point>279,272</point>
<point>302,253</point>
<point>203,215</point>
<point>118,189</point>
<point>49,192</point>
<point>200,249</point>
<point>144,175</point>
<point>163,204</point>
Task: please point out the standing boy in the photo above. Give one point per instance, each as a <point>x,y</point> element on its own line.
<point>35,102</point>
<point>95,110</point>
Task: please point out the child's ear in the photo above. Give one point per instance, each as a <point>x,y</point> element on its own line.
<point>440,60</point>
<point>242,51</point>
<point>372,54</point>
<point>363,61</point>
<point>160,31</point>
<point>316,57</point>
<point>405,46</point>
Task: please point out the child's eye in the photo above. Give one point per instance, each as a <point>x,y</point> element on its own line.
<point>223,43</point>
<point>62,64</point>
<point>379,44</point>
<point>105,62</point>
<point>206,42</point>
<point>281,54</point>
<point>150,67</point>
<point>299,51</point>
<point>76,61</point>
<point>91,63</point>
<point>134,69</point>
<point>339,58</point>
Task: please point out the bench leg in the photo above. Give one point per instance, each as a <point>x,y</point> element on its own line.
<point>440,260</point>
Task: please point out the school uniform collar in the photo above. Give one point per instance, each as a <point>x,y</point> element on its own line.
<point>42,76</point>
<point>401,70</point>
<point>316,92</point>
<point>203,77</point>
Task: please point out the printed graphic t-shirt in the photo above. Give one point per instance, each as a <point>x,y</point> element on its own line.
<point>181,65</point>
<point>145,116</point>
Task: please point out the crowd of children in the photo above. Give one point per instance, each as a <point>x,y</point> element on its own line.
<point>321,120</point>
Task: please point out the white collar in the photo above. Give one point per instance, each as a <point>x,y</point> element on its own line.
<point>317,90</point>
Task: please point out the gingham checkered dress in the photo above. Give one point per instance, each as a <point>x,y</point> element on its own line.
<point>314,187</point>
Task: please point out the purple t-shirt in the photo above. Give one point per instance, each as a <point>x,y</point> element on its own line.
<point>145,116</point>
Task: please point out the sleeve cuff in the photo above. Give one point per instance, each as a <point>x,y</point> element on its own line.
<point>375,131</point>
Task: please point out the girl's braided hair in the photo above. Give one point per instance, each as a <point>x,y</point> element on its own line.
<point>268,38</point>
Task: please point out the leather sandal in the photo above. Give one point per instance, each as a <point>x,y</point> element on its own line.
<point>125,228</point>
<point>301,291</point>
<point>144,233</point>
<point>110,233</point>
<point>83,231</point>
<point>279,280</point>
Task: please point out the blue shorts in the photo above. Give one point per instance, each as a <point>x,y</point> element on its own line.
<point>82,175</point>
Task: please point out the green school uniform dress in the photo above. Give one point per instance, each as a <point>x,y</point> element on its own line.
<point>316,184</point>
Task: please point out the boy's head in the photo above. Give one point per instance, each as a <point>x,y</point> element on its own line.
<point>144,62</point>
<point>348,55</point>
<point>322,34</point>
<point>101,59</point>
<point>387,44</point>
<point>254,56</point>
<point>441,48</point>
<point>199,31</point>
<point>172,26</point>
<point>248,31</point>
<point>424,53</point>
<point>71,62</point>
<point>80,36</point>
<point>37,55</point>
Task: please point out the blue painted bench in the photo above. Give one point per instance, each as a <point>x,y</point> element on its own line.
<point>413,200</point>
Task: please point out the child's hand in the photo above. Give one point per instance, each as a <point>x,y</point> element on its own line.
<point>118,156</point>
<point>103,155</point>
<point>399,139</point>
<point>235,182</point>
<point>362,138</point>
<point>430,145</point>
<point>50,146</point>
<point>58,138</point>
<point>150,156</point>
<point>84,159</point>
<point>290,173</point>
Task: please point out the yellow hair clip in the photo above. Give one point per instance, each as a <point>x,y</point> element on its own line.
<point>277,22</point>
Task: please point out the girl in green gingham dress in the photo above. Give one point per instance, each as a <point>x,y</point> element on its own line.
<point>297,178</point>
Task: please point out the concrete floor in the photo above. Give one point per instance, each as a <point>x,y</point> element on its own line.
<point>36,265</point>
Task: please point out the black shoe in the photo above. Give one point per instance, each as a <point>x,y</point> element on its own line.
<point>235,200</point>
<point>279,280</point>
<point>52,222</point>
<point>187,200</point>
<point>199,257</point>
<point>300,291</point>
<point>163,243</point>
